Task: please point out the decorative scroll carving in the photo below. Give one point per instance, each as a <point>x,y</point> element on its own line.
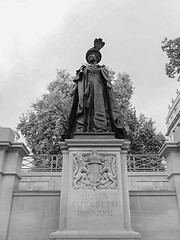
<point>94,171</point>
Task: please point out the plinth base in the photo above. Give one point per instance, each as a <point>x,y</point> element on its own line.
<point>94,197</point>
<point>94,135</point>
<point>95,235</point>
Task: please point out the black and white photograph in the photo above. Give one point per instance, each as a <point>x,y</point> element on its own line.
<point>89,120</point>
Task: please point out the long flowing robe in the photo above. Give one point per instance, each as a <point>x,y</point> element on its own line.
<point>94,106</point>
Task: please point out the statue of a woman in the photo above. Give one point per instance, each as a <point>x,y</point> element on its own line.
<point>94,106</point>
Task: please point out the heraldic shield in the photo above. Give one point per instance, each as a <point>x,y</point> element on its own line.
<point>94,171</point>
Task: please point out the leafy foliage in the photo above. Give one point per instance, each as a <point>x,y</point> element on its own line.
<point>42,126</point>
<point>123,88</point>
<point>172,49</point>
<point>142,134</point>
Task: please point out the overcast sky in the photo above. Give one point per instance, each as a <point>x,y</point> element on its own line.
<point>38,37</point>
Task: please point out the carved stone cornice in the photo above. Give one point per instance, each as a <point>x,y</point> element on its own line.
<point>169,147</point>
<point>15,174</point>
<point>100,142</point>
<point>17,147</point>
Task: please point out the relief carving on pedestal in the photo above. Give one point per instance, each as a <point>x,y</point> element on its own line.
<point>94,171</point>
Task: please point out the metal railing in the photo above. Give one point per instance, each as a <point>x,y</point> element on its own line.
<point>53,163</point>
<point>145,163</point>
<point>42,163</point>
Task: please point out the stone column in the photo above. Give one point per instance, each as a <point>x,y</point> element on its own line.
<point>94,196</point>
<point>11,155</point>
<point>171,152</point>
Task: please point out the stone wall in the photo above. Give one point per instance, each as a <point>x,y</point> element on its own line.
<point>148,181</point>
<point>155,214</point>
<point>52,181</point>
<point>35,214</point>
<point>41,181</point>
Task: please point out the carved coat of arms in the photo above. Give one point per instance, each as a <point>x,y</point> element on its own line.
<point>94,171</point>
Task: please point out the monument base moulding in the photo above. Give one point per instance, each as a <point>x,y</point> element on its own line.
<point>94,196</point>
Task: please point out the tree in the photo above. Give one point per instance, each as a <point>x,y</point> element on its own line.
<point>172,49</point>
<point>142,134</point>
<point>42,126</point>
<point>141,131</point>
<point>123,89</point>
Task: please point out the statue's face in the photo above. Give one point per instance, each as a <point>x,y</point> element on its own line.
<point>92,58</point>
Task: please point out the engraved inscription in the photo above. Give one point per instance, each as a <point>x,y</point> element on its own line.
<point>94,171</point>
<point>94,204</point>
<point>98,213</point>
<point>97,205</point>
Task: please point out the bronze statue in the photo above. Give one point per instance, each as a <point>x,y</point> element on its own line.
<point>94,106</point>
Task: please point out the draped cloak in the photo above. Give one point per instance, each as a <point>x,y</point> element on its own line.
<point>94,107</point>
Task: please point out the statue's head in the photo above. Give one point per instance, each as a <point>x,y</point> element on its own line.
<point>93,55</point>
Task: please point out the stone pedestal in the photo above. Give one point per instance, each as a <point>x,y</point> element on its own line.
<point>11,155</point>
<point>94,197</point>
<point>171,152</point>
